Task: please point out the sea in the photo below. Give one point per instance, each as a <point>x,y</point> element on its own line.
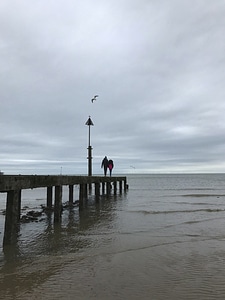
<point>164,238</point>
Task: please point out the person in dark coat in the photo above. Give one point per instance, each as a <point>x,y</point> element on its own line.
<point>110,166</point>
<point>104,165</point>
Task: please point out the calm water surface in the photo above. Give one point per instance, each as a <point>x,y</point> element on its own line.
<point>163,239</point>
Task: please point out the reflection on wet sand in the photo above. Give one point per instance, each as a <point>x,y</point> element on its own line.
<point>33,258</point>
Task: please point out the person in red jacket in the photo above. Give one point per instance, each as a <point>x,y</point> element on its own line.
<point>110,166</point>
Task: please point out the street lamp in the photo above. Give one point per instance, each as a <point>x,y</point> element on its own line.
<point>89,123</point>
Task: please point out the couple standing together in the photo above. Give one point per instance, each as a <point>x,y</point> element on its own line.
<point>107,164</point>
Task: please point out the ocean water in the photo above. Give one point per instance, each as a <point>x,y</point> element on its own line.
<point>162,239</point>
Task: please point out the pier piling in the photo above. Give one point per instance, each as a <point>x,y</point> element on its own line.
<point>71,192</point>
<point>49,197</point>
<point>58,203</point>
<point>12,216</point>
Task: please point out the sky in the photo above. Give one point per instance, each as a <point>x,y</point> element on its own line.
<point>158,67</point>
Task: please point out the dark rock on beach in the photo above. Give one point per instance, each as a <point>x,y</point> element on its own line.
<point>31,216</point>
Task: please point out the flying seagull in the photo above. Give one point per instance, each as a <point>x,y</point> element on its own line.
<point>95,98</point>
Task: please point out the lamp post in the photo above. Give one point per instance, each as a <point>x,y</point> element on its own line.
<point>89,123</point>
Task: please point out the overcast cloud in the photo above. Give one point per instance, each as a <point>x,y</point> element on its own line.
<point>158,67</point>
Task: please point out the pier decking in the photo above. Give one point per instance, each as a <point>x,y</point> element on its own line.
<point>14,184</point>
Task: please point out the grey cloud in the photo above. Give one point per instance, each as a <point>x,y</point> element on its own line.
<point>158,70</point>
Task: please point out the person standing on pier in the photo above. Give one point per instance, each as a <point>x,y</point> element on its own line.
<point>104,165</point>
<point>110,166</point>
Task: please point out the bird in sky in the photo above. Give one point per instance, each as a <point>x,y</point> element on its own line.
<point>94,98</point>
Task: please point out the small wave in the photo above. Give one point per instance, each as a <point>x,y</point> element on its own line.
<point>209,210</point>
<point>194,235</point>
<point>202,195</point>
<point>194,203</point>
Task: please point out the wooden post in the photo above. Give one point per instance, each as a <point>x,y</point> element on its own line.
<point>19,205</point>
<point>58,203</point>
<point>97,190</point>
<point>81,195</point>
<point>108,187</point>
<point>120,186</point>
<point>125,185</point>
<point>12,216</point>
<point>71,190</point>
<point>115,186</point>
<point>49,197</point>
<point>85,190</point>
<point>103,188</point>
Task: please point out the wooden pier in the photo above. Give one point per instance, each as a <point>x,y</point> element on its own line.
<point>13,186</point>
